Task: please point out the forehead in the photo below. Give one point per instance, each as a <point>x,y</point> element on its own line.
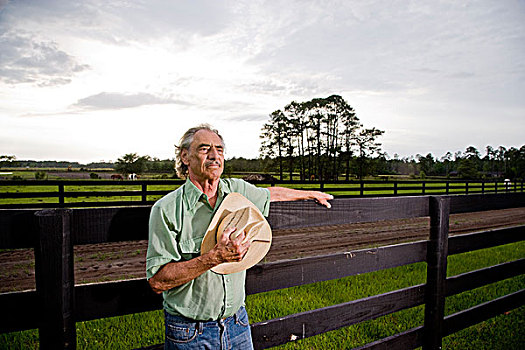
<point>206,137</point>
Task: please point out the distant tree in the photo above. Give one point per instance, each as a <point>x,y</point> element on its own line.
<point>489,160</point>
<point>367,147</point>
<point>274,135</point>
<point>6,160</point>
<point>501,164</point>
<point>426,163</point>
<point>515,159</point>
<point>155,165</point>
<point>446,160</point>
<point>132,163</point>
<point>467,168</point>
<point>472,153</point>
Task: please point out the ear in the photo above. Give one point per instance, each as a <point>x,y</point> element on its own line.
<point>184,157</point>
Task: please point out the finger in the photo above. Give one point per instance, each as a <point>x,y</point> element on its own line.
<point>225,238</point>
<point>240,237</point>
<point>325,203</point>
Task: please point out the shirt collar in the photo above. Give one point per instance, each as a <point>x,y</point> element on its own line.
<point>193,194</point>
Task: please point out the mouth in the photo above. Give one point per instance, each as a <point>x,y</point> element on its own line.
<point>213,165</point>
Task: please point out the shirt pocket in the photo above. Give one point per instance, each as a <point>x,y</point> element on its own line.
<point>190,248</point>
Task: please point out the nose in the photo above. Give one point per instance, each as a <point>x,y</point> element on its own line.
<point>213,153</point>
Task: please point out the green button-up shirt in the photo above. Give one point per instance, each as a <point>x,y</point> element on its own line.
<point>178,222</point>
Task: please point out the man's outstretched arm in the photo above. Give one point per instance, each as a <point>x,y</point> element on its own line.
<point>282,194</point>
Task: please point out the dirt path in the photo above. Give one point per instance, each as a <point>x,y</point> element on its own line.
<point>122,260</point>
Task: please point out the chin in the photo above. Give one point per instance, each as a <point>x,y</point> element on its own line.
<point>214,174</point>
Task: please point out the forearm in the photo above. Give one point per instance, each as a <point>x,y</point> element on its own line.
<point>281,194</point>
<point>175,274</point>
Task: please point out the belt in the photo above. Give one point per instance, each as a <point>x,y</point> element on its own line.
<point>219,320</point>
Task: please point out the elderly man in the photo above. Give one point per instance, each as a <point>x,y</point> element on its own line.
<point>203,309</point>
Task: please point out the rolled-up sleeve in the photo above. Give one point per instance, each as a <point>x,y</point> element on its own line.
<point>257,195</point>
<point>162,246</point>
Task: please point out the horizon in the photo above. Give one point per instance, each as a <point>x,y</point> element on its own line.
<point>389,156</point>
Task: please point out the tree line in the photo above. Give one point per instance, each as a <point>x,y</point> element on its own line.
<point>494,162</point>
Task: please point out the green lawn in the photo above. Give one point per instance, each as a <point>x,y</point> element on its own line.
<point>502,332</point>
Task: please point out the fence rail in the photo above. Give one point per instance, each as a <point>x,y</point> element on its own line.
<point>59,303</point>
<point>77,193</point>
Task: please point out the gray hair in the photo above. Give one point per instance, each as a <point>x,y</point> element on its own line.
<point>185,143</point>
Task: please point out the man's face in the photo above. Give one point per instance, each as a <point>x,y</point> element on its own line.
<point>205,157</point>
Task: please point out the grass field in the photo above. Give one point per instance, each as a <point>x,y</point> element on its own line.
<point>506,331</point>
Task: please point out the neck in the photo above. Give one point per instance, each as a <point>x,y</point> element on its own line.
<point>208,187</point>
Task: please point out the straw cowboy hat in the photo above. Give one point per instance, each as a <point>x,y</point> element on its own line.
<point>237,211</point>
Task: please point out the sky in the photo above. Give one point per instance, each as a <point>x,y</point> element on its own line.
<point>92,80</point>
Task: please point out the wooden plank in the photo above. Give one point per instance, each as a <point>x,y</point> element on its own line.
<point>108,299</point>
<point>485,239</point>
<point>135,203</point>
<point>410,339</point>
<point>475,279</point>
<point>288,273</point>
<point>158,192</point>
<point>481,202</point>
<point>306,324</point>
<point>436,272</point>
<point>116,193</point>
<point>55,280</point>
<point>482,312</point>
<point>89,182</point>
<point>16,306</point>
<point>18,228</point>
<point>345,211</point>
<point>28,194</point>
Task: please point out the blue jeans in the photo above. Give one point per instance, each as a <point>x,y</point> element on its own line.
<point>229,333</point>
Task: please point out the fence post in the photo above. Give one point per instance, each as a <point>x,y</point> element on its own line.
<point>423,187</point>
<point>61,195</point>
<point>144,193</point>
<point>448,187</point>
<point>395,188</point>
<point>483,187</point>
<point>55,280</point>
<point>437,249</point>
<point>496,187</point>
<point>362,188</point>
<point>466,187</point>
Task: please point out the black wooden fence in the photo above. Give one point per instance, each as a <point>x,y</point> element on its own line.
<point>59,303</point>
<point>87,193</point>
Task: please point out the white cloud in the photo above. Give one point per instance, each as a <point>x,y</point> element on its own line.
<point>25,59</point>
<point>108,100</point>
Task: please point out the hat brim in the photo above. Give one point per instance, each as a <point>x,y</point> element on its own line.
<point>259,246</point>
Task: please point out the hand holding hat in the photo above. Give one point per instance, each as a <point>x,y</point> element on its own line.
<point>232,245</point>
<point>239,221</point>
